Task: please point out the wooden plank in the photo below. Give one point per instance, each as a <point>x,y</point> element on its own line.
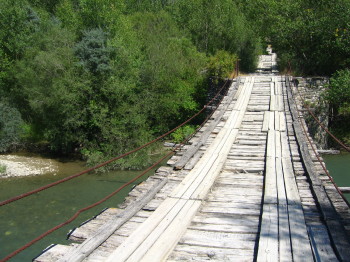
<point>268,241</point>
<point>270,195</point>
<point>321,245</point>
<point>191,252</point>
<point>280,103</point>
<point>281,191</point>
<point>272,121</point>
<point>344,189</point>
<point>278,146</point>
<point>174,214</point>
<point>272,102</point>
<point>292,192</point>
<point>80,252</point>
<point>299,235</point>
<point>337,232</point>
<point>282,122</point>
<point>163,239</point>
<point>285,249</point>
<point>277,120</point>
<point>169,207</point>
<point>218,240</point>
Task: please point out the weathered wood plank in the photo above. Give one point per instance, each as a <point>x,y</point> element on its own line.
<point>321,245</point>
<point>80,252</point>
<point>285,249</point>
<point>268,241</point>
<point>299,236</point>
<point>265,126</point>
<point>331,218</point>
<point>160,232</point>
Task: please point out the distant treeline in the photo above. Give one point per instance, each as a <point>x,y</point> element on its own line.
<point>99,77</point>
<point>311,37</point>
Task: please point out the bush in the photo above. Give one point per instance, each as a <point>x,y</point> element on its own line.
<point>11,125</point>
<point>182,133</point>
<point>222,64</point>
<point>338,92</point>
<point>2,169</point>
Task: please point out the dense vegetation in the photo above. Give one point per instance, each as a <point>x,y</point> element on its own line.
<point>310,38</point>
<point>99,77</point>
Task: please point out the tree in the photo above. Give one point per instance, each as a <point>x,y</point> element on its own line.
<point>11,125</point>
<point>93,53</point>
<point>170,70</point>
<point>218,25</point>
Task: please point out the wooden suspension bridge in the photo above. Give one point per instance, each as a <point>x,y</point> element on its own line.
<point>246,188</point>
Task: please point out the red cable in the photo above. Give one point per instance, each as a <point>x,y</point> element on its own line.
<point>5,202</point>
<point>321,125</point>
<point>317,155</point>
<point>14,253</point>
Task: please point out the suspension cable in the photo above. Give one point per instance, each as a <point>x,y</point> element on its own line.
<point>32,242</point>
<point>316,153</point>
<point>5,202</point>
<point>320,124</point>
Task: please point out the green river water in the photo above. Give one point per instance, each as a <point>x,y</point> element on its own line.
<point>339,168</point>
<point>26,219</point>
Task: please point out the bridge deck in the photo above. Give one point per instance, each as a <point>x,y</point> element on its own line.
<point>238,193</point>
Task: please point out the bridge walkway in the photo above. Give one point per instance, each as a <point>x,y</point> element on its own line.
<point>243,194</point>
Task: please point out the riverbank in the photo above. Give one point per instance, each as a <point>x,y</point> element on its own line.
<point>20,166</point>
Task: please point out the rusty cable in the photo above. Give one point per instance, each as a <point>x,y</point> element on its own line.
<point>32,242</point>
<point>5,202</point>
<point>320,124</point>
<point>316,153</point>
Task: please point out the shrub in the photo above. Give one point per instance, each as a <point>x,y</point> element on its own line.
<point>182,133</point>
<point>10,126</point>
<point>338,92</point>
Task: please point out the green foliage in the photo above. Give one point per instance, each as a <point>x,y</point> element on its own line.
<point>182,133</point>
<point>170,70</point>
<point>93,53</point>
<point>10,127</point>
<point>2,169</point>
<point>222,64</point>
<point>338,96</point>
<point>312,37</point>
<point>338,92</point>
<point>101,77</point>
<point>218,25</point>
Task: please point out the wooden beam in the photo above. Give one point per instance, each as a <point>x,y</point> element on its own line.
<point>336,229</point>
<point>80,252</point>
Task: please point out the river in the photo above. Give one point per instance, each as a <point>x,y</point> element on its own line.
<point>339,168</point>
<point>26,219</point>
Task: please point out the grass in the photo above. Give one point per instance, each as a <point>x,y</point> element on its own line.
<point>2,169</point>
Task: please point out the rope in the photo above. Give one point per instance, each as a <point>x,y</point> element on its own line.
<point>14,253</point>
<point>316,153</point>
<point>16,198</point>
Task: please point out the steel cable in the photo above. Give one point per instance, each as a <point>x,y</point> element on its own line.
<point>5,202</point>
<point>316,153</point>
<point>14,253</point>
